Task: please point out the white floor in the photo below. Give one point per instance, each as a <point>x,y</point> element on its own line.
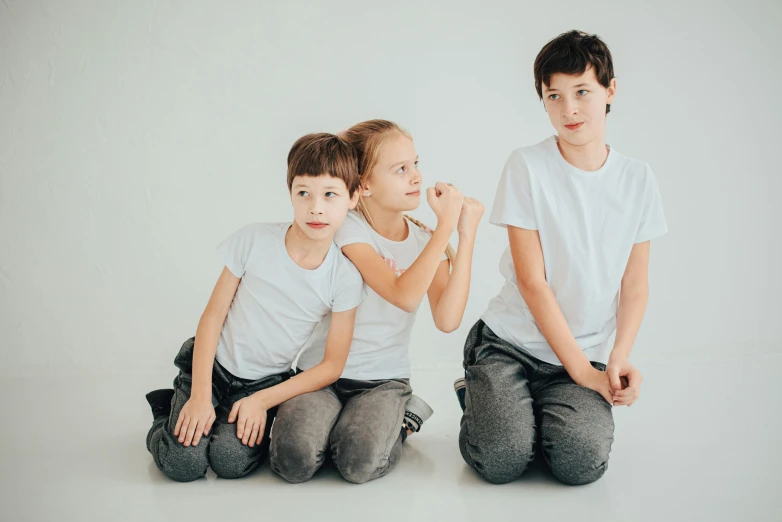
<point>703,443</point>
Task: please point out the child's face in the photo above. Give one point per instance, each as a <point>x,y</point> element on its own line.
<point>576,106</point>
<point>320,204</point>
<point>395,181</point>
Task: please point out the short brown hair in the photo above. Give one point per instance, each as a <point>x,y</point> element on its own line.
<point>573,53</point>
<point>324,153</point>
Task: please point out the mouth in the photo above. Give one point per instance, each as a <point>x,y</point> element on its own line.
<point>414,193</point>
<point>573,126</point>
<point>317,224</point>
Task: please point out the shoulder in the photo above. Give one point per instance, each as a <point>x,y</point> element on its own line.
<point>343,270</point>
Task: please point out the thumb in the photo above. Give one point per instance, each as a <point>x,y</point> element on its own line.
<point>234,412</point>
<point>613,377</point>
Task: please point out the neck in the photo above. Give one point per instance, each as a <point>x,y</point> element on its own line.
<point>588,157</point>
<point>388,223</point>
<point>305,252</point>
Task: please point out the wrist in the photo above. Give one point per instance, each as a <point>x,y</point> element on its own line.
<point>261,399</point>
<point>580,372</point>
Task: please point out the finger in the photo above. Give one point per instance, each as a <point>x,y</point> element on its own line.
<point>261,431</point>
<point>234,412</point>
<point>634,378</point>
<point>254,435</point>
<point>179,422</point>
<point>431,196</point>
<point>199,429</point>
<point>183,428</point>
<point>613,378</point>
<point>441,187</point>
<point>208,426</point>
<point>247,431</point>
<point>240,425</point>
<point>190,432</point>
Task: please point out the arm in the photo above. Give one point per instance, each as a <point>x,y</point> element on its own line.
<point>633,297</point>
<point>198,414</point>
<point>407,290</point>
<point>448,292</point>
<point>531,276</point>
<point>250,413</point>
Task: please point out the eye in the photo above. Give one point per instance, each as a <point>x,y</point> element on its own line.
<point>331,194</point>
<point>303,193</point>
<point>401,170</point>
<point>553,97</point>
<point>416,163</point>
<point>582,92</point>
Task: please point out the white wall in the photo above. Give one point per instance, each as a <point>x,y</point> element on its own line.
<point>134,136</point>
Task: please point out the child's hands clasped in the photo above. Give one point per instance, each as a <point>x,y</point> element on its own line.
<point>195,420</point>
<point>446,202</point>
<point>598,381</point>
<point>625,381</point>
<point>249,414</point>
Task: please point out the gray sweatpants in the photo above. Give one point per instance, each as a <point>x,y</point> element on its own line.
<point>360,422</point>
<point>514,400</point>
<point>222,449</point>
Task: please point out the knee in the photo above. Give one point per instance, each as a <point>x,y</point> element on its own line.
<point>180,463</point>
<point>362,461</point>
<point>578,456</point>
<point>231,460</point>
<point>498,461</point>
<point>294,460</point>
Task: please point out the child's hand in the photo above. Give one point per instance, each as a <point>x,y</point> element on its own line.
<point>446,202</point>
<point>625,381</point>
<point>251,414</point>
<point>470,217</point>
<point>195,420</point>
<point>596,380</point>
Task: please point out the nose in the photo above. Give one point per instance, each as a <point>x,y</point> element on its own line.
<point>570,107</point>
<point>316,207</point>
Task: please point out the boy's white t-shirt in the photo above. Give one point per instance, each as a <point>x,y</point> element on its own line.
<point>278,304</point>
<point>382,331</point>
<point>588,223</point>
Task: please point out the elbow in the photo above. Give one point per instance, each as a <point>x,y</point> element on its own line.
<point>406,305</point>
<point>448,327</point>
<point>531,286</point>
<point>331,372</point>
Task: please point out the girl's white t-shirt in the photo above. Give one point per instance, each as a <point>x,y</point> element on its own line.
<point>382,332</point>
<point>588,223</point>
<point>278,304</point>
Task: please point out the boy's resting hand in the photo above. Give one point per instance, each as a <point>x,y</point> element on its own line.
<point>625,381</point>
<point>195,420</point>
<point>596,380</point>
<point>249,414</point>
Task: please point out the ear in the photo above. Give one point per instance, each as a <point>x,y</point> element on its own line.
<point>354,199</point>
<point>611,90</point>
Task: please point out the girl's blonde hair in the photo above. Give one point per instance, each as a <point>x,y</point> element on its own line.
<point>367,138</point>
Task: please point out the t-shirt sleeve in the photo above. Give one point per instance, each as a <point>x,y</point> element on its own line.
<point>353,230</point>
<point>349,290</point>
<point>653,222</point>
<point>235,250</point>
<point>513,200</point>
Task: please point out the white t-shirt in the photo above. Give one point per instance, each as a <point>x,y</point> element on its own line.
<point>382,331</point>
<point>588,223</point>
<point>278,303</point>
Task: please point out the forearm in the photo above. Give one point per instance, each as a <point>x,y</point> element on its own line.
<point>316,378</point>
<point>412,285</point>
<point>552,324</point>
<point>207,337</point>
<point>450,307</point>
<point>629,316</point>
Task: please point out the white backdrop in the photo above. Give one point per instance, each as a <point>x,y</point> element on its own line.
<point>134,136</point>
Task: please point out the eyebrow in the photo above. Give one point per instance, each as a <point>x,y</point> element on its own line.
<point>306,186</point>
<point>403,162</point>
<point>549,89</point>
